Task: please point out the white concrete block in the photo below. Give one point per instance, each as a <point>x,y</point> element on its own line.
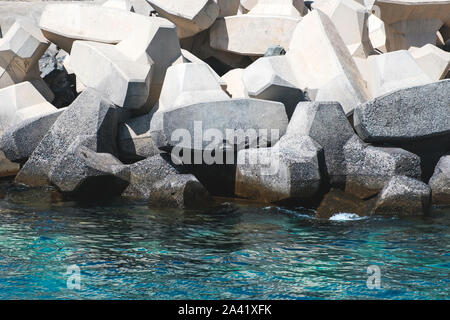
<point>434,62</point>
<point>19,102</point>
<point>350,19</point>
<point>190,17</point>
<point>261,33</point>
<point>391,71</point>
<point>322,63</point>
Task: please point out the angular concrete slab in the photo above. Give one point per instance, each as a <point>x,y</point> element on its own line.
<point>235,84</point>
<point>289,170</point>
<point>20,51</point>
<point>191,17</point>
<point>140,42</point>
<point>410,114</point>
<point>288,8</point>
<point>19,141</point>
<point>271,78</point>
<point>119,4</point>
<point>188,57</point>
<point>228,7</point>
<point>19,102</point>
<point>412,22</point>
<point>81,172</point>
<point>101,66</point>
<point>434,62</point>
<point>403,196</point>
<point>330,71</point>
<point>8,168</point>
<point>351,21</point>
<point>182,191</point>
<point>326,123</point>
<point>226,33</point>
<point>369,168</point>
<point>392,71</point>
<point>90,114</point>
<point>88,22</point>
<point>440,182</point>
<point>238,122</point>
<point>337,202</point>
<point>247,5</point>
<point>189,83</point>
<point>377,33</point>
<point>134,139</point>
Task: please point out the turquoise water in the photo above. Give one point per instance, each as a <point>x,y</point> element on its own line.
<point>127,251</point>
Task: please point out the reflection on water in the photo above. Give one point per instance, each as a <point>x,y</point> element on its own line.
<point>126,250</point>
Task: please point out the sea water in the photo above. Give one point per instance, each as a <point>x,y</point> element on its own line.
<point>118,249</point>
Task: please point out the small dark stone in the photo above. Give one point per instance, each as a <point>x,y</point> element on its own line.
<point>275,51</point>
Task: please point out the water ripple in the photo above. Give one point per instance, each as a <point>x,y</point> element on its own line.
<point>126,250</point>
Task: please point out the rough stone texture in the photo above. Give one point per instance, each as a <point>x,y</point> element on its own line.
<point>146,173</point>
<point>134,139</point>
<point>82,172</point>
<point>351,21</point>
<point>330,71</point>
<point>326,123</point>
<point>90,114</point>
<point>7,168</point>
<point>403,196</point>
<point>404,115</point>
<point>220,117</point>
<point>289,170</point>
<point>156,180</point>
<point>226,33</point>
<point>392,71</point>
<point>19,141</point>
<point>434,62</point>
<point>361,169</point>
<point>182,191</point>
<point>338,201</point>
<point>369,168</point>
<point>20,51</point>
<point>190,17</point>
<point>440,182</point>
<point>19,102</point>
<point>271,78</point>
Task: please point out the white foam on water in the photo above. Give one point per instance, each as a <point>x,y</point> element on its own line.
<point>342,216</point>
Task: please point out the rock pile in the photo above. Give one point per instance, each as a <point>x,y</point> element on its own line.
<point>338,104</point>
